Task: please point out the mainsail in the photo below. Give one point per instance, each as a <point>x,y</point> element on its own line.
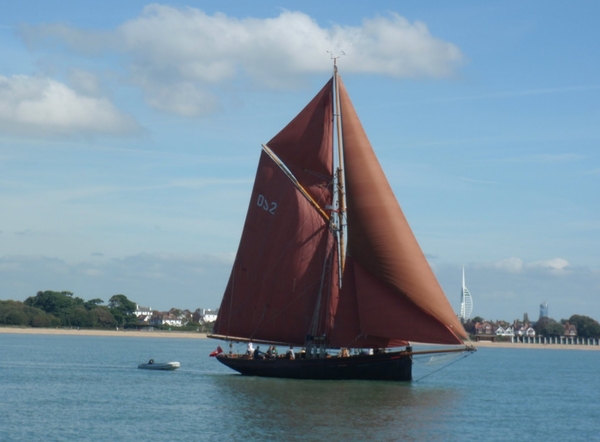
<point>278,273</point>
<point>285,281</point>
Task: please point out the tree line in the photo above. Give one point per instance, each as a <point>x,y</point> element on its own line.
<point>62,309</point>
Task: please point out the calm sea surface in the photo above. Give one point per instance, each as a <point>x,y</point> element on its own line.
<point>86,388</point>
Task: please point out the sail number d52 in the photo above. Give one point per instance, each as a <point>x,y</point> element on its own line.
<point>262,202</point>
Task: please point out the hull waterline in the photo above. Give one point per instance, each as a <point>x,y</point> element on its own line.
<point>394,366</point>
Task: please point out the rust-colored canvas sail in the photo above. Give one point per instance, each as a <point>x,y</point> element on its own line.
<point>397,293</point>
<point>347,330</point>
<point>278,271</point>
<point>305,145</point>
<point>284,282</point>
<point>286,247</point>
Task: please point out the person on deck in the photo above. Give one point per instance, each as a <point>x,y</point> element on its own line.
<point>290,353</point>
<point>258,354</point>
<point>272,352</point>
<point>250,349</point>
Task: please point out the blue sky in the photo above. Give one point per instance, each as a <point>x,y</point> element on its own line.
<point>130,132</point>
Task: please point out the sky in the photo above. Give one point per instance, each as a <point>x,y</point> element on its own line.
<point>130,134</point>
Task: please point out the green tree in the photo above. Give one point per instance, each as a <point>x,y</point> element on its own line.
<point>18,313</point>
<point>44,320</point>
<point>55,303</point>
<point>49,301</point>
<point>548,327</point>
<point>93,303</point>
<point>65,309</point>
<point>122,310</point>
<point>103,317</point>
<point>555,329</point>
<point>586,326</point>
<point>16,317</point>
<point>79,316</point>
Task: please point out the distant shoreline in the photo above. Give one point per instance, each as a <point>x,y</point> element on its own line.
<point>117,333</point>
<point>488,344</point>
<point>196,335</point>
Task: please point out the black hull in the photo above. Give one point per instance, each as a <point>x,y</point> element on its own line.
<point>396,366</point>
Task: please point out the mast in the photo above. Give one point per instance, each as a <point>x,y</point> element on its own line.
<point>316,344</point>
<point>341,197</point>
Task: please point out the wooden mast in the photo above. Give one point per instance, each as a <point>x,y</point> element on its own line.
<point>341,197</point>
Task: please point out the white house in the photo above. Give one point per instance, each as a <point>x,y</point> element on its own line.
<point>143,313</point>
<point>166,319</point>
<point>530,332</point>
<point>508,331</point>
<point>209,315</point>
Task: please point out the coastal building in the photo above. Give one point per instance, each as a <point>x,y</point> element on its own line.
<point>166,319</point>
<point>209,315</point>
<point>143,313</point>
<point>570,330</point>
<point>205,315</point>
<point>484,331</point>
<point>543,310</point>
<point>466,301</point>
<point>505,331</point>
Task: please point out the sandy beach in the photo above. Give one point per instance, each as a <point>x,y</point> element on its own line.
<point>119,333</point>
<point>195,335</point>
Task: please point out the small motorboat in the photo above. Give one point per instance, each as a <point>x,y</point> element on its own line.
<point>151,365</point>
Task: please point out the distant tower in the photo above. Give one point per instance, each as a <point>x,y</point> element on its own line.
<point>466,301</point>
<point>543,310</point>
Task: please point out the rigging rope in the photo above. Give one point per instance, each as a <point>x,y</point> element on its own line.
<point>445,366</point>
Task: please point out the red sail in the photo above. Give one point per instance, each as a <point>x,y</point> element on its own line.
<point>283,266</point>
<point>397,294</point>
<point>305,145</point>
<point>278,271</point>
<point>285,269</point>
<point>348,330</point>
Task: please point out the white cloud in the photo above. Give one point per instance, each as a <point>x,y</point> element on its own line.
<point>516,265</point>
<point>211,48</point>
<point>512,265</point>
<point>43,106</point>
<point>557,265</point>
<point>182,58</point>
<point>184,99</point>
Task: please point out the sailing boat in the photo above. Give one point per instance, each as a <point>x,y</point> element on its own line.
<point>327,261</point>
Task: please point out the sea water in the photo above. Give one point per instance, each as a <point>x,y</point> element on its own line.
<point>88,388</point>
